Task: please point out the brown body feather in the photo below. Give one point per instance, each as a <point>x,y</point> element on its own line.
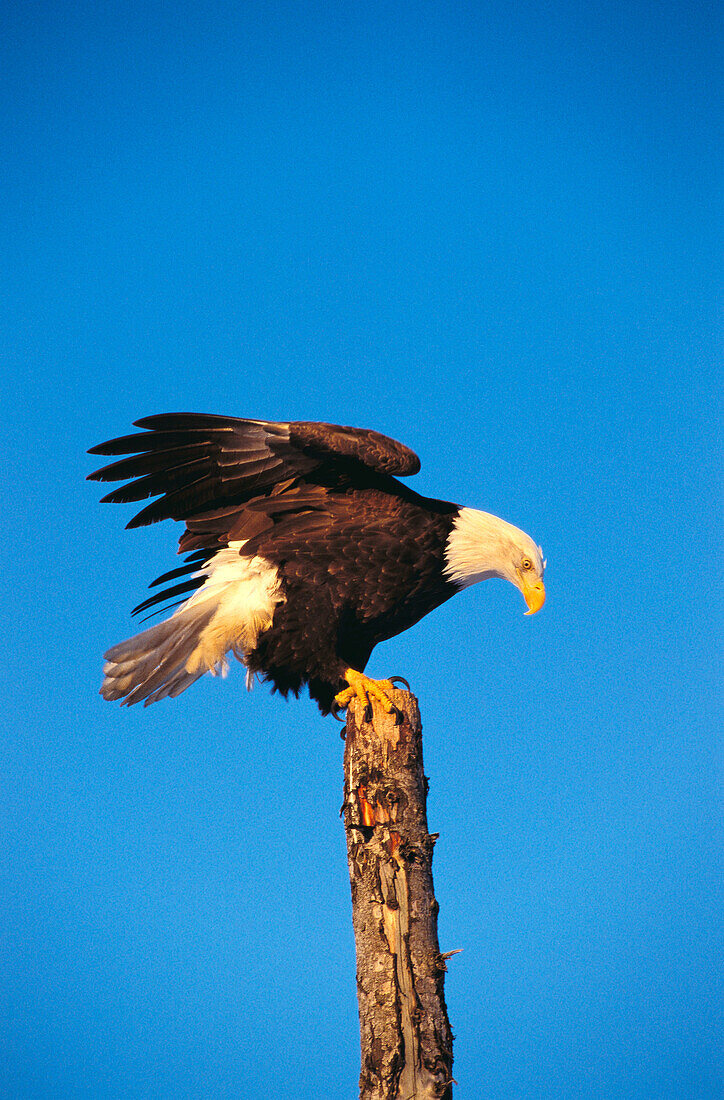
<point>358,557</point>
<point>365,569</point>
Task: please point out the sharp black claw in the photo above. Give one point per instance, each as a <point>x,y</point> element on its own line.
<point>398,715</point>
<point>334,711</point>
<point>400,680</point>
<point>367,716</point>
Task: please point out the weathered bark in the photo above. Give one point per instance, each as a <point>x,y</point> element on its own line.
<point>405,1032</point>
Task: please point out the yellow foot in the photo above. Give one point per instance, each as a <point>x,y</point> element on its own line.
<point>363,688</point>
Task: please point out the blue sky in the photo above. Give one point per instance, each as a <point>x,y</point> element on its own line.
<point>494,234</point>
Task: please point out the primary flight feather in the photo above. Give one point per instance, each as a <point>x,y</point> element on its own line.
<point>304,551</point>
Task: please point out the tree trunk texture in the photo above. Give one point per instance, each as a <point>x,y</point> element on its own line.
<point>405,1032</point>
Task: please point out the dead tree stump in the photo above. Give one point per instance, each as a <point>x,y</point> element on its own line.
<point>404,1028</point>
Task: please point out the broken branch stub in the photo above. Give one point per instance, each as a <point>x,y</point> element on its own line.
<point>404,1028</point>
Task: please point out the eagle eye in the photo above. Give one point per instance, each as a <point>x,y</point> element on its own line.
<point>526,563</point>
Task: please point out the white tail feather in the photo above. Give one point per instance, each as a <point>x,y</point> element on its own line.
<point>226,614</point>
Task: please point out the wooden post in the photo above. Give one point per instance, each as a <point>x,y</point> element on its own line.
<point>405,1032</point>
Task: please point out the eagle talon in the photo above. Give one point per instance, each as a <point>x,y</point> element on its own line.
<point>400,680</point>
<point>366,690</point>
<point>398,716</point>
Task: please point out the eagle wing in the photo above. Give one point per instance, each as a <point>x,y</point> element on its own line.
<point>229,478</point>
<point>199,462</point>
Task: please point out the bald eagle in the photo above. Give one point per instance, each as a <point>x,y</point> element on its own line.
<point>303,552</point>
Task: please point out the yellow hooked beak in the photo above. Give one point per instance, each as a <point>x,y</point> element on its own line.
<point>534,594</point>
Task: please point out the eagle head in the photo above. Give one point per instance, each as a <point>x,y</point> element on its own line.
<point>481,546</point>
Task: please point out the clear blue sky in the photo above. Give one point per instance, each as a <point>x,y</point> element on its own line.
<point>489,230</point>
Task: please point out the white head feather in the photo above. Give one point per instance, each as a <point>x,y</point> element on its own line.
<point>481,546</point>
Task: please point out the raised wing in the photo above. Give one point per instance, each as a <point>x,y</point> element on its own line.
<point>199,464</point>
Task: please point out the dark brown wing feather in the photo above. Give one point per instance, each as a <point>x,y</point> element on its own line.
<point>232,479</point>
<point>376,451</point>
<point>196,463</point>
